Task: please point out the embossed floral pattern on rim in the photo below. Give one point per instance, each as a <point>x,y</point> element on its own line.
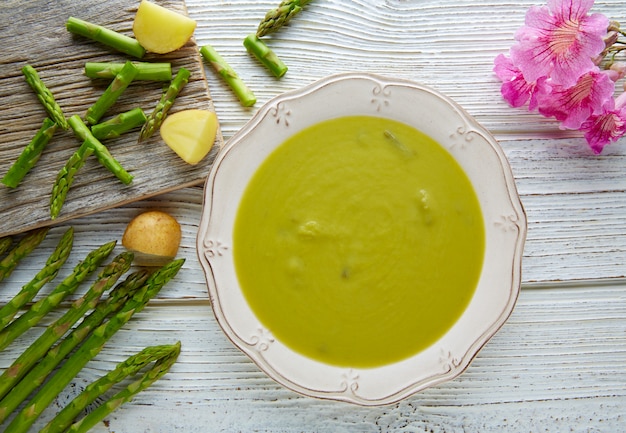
<point>473,147</point>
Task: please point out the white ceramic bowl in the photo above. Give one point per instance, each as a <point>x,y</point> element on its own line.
<point>443,120</point>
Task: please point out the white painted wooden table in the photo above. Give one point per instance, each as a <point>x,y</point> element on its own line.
<point>558,364</point>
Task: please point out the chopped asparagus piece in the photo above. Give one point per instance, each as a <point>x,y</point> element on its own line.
<point>229,75</point>
<point>121,81</point>
<point>119,124</point>
<point>45,96</point>
<point>102,153</point>
<point>65,178</point>
<point>265,55</point>
<point>145,71</point>
<point>165,103</point>
<point>30,155</point>
<point>278,17</point>
<point>106,36</point>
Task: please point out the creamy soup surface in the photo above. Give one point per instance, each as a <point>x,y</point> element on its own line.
<point>359,242</point>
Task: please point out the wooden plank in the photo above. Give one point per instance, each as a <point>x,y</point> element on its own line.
<point>33,32</point>
<point>558,361</point>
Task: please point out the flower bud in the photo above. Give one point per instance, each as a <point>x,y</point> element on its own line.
<point>610,38</point>
<point>613,26</point>
<point>620,69</point>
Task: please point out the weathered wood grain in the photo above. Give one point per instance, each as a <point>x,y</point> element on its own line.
<point>33,32</point>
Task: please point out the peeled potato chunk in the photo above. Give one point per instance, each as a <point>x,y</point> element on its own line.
<point>154,237</point>
<point>190,133</point>
<point>161,30</point>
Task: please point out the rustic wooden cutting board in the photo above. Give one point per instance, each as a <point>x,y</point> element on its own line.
<point>33,32</point>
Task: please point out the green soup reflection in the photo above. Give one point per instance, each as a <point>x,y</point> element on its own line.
<point>359,242</point>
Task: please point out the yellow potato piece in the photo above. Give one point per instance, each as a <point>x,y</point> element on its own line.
<point>154,238</point>
<point>161,30</point>
<point>190,133</point>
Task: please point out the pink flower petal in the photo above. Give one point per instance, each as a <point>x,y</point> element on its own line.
<point>605,128</point>
<point>559,41</point>
<point>515,89</point>
<point>573,105</point>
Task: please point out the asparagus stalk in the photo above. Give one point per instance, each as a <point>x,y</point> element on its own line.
<point>65,178</point>
<point>24,247</point>
<point>91,347</point>
<point>245,95</point>
<point>121,81</point>
<point>265,55</point>
<point>47,273</point>
<point>158,71</point>
<point>42,307</point>
<point>38,374</point>
<point>30,155</point>
<point>45,96</point>
<point>165,103</point>
<point>106,279</point>
<point>102,153</point>
<point>278,17</point>
<point>163,356</point>
<point>106,36</point>
<point>5,244</point>
<point>119,124</point>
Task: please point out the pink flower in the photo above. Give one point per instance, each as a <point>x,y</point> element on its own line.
<point>573,105</point>
<point>515,89</point>
<point>559,40</point>
<point>610,125</point>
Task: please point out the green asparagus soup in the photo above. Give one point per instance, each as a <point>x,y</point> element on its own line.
<point>358,242</point>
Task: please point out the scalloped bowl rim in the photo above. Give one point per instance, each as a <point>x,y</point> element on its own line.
<point>472,146</point>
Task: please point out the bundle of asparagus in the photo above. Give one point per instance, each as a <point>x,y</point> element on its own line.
<point>47,273</point>
<point>77,336</point>
<point>21,250</point>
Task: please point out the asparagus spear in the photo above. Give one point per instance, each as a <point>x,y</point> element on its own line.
<point>121,81</point>
<point>119,124</point>
<point>30,155</point>
<point>38,310</point>
<point>91,347</point>
<point>45,96</point>
<point>158,71</point>
<point>278,17</point>
<point>38,374</point>
<point>47,273</point>
<point>165,103</point>
<point>65,178</point>
<point>240,89</point>
<point>163,356</point>
<point>106,279</point>
<point>102,153</point>
<point>24,247</point>
<point>265,55</point>
<point>5,244</point>
<point>106,36</point>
